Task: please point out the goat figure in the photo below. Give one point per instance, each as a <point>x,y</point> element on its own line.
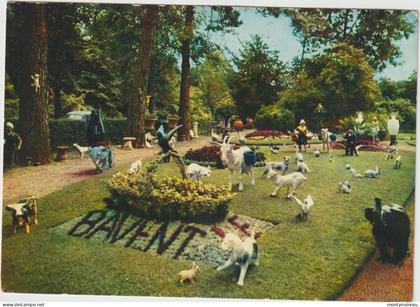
<point>234,160</point>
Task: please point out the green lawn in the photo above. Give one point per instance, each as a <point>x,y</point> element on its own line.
<point>270,141</point>
<point>312,260</point>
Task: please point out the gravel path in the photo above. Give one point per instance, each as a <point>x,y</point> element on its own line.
<point>21,182</point>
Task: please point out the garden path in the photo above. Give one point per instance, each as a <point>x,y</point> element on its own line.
<point>21,182</point>
<point>383,282</point>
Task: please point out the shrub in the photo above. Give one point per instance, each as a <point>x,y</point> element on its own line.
<point>168,198</point>
<point>274,117</point>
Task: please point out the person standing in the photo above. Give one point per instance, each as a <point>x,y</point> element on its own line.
<point>301,132</point>
<point>350,138</point>
<point>393,128</point>
<point>12,144</point>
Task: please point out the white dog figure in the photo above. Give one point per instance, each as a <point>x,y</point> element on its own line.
<point>148,139</point>
<point>291,180</point>
<point>302,167</point>
<point>82,150</point>
<point>195,171</point>
<point>242,253</point>
<point>278,166</point>
<point>305,206</point>
<point>35,84</point>
<point>345,187</point>
<point>135,167</point>
<point>370,173</point>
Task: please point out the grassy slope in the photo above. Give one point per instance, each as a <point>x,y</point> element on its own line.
<point>311,260</point>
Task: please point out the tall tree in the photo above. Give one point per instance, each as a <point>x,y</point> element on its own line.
<point>376,32</point>
<point>30,79</point>
<point>137,100</point>
<point>184,108</point>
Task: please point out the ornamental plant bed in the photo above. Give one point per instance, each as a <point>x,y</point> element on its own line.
<point>367,145</point>
<point>263,134</point>
<point>210,156</point>
<point>169,198</point>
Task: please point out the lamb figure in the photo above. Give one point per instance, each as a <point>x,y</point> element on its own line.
<point>242,253</point>
<point>195,171</point>
<point>135,167</point>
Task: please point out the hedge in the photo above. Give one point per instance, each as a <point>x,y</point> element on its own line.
<point>68,132</point>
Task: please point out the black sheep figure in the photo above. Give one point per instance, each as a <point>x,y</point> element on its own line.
<point>391,229</point>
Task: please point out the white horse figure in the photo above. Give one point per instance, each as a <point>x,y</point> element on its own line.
<point>234,160</point>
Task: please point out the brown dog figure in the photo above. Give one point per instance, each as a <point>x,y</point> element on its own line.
<point>23,214</point>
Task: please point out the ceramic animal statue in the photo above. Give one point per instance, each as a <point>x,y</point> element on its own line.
<point>234,160</point>
<point>398,162</point>
<point>326,139</point>
<point>165,141</point>
<point>24,214</point>
<point>101,157</point>
<point>305,206</point>
<point>373,173</point>
<point>135,167</point>
<point>391,229</point>
<point>190,274</point>
<point>148,140</point>
<point>196,171</point>
<point>82,150</point>
<point>345,187</point>
<point>281,166</point>
<point>293,180</point>
<point>35,82</point>
<point>242,253</point>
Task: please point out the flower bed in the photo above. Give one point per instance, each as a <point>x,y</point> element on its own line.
<point>367,145</point>
<point>210,156</point>
<point>168,198</point>
<point>267,133</point>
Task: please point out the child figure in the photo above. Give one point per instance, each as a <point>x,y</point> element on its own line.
<point>12,144</point>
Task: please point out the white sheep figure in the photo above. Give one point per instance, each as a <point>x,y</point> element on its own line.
<point>345,187</point>
<point>195,171</point>
<point>370,173</point>
<point>190,274</point>
<point>35,82</point>
<point>135,167</point>
<point>242,253</point>
<point>302,167</point>
<point>305,206</point>
<point>234,160</point>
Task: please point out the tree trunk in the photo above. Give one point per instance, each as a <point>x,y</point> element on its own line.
<point>184,100</point>
<point>137,99</point>
<point>33,114</point>
<point>57,101</point>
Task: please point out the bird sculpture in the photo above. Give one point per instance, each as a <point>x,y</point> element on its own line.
<point>164,139</point>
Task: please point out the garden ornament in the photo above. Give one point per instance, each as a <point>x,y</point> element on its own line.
<point>391,229</point>
<point>22,213</point>
<point>242,253</point>
<point>189,274</point>
<point>305,206</point>
<point>164,139</point>
<point>35,84</point>
<point>101,157</point>
<point>195,129</point>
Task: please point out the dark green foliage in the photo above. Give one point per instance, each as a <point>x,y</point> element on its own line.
<point>68,132</point>
<point>406,89</point>
<point>258,78</point>
<point>274,117</point>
